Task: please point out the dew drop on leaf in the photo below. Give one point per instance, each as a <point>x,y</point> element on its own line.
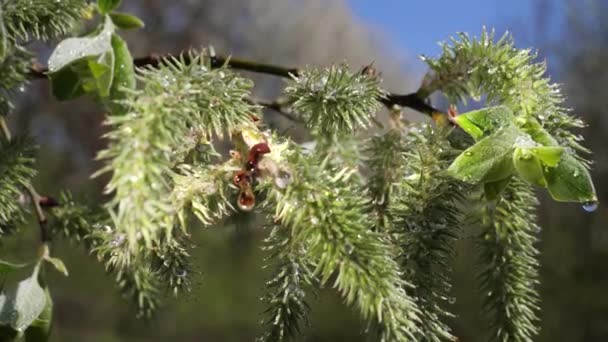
<point>590,206</point>
<point>468,153</point>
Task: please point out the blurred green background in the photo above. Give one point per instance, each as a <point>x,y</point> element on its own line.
<point>224,303</point>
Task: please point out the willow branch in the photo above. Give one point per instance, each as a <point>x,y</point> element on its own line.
<point>277,106</point>
<point>414,101</point>
<point>38,202</point>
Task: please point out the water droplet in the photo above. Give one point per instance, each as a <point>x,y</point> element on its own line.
<point>246,200</point>
<point>118,240</point>
<point>349,248</point>
<point>283,179</point>
<point>526,156</point>
<point>468,153</point>
<point>590,206</point>
<point>452,300</point>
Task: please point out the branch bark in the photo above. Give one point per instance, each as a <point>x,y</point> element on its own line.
<point>413,100</point>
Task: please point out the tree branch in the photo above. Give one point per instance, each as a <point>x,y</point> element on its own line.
<point>414,100</point>
<point>38,202</point>
<point>279,107</point>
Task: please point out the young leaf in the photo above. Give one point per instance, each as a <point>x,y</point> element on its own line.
<point>570,181</point>
<point>102,71</point>
<point>73,49</point>
<point>493,189</point>
<point>126,21</point>
<point>83,65</point>
<point>20,305</point>
<point>124,74</point>
<point>528,166</point>
<point>58,264</point>
<point>40,329</point>
<point>480,123</point>
<point>66,84</point>
<point>548,155</point>
<point>106,6</point>
<point>488,160</point>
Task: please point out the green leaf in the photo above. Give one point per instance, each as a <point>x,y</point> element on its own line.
<point>66,84</point>
<point>493,189</point>
<point>124,75</point>
<point>106,6</point>
<point>8,267</point>
<point>58,264</point>
<point>40,329</point>
<point>528,166</point>
<point>480,123</point>
<point>74,49</point>
<point>85,65</point>
<point>22,303</point>
<point>126,21</point>
<point>489,159</point>
<point>103,74</point>
<point>570,181</point>
<point>548,155</point>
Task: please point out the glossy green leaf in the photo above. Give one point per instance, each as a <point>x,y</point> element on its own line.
<point>106,6</point>
<point>89,70</point>
<point>40,329</point>
<point>529,166</point>
<point>493,189</point>
<point>74,49</point>
<point>58,264</point>
<point>489,159</point>
<point>126,21</point>
<point>480,123</point>
<point>570,181</point>
<point>66,84</point>
<point>8,267</point>
<point>22,303</point>
<point>535,130</point>
<point>548,155</point>
<point>124,74</point>
<point>102,72</point>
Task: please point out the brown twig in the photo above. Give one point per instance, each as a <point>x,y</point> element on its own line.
<point>413,100</point>
<point>38,202</point>
<point>278,107</point>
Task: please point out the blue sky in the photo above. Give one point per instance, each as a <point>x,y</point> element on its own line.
<point>416,26</point>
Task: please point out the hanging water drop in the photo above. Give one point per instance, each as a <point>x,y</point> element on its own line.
<point>246,200</point>
<point>590,206</point>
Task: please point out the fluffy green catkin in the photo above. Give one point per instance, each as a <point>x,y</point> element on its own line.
<point>334,100</point>
<point>292,276</point>
<point>176,97</point>
<point>426,219</point>
<point>508,256</point>
<point>506,75</point>
<point>41,19</point>
<point>14,68</point>
<point>140,277</point>
<point>325,210</point>
<point>16,171</point>
<point>383,160</point>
